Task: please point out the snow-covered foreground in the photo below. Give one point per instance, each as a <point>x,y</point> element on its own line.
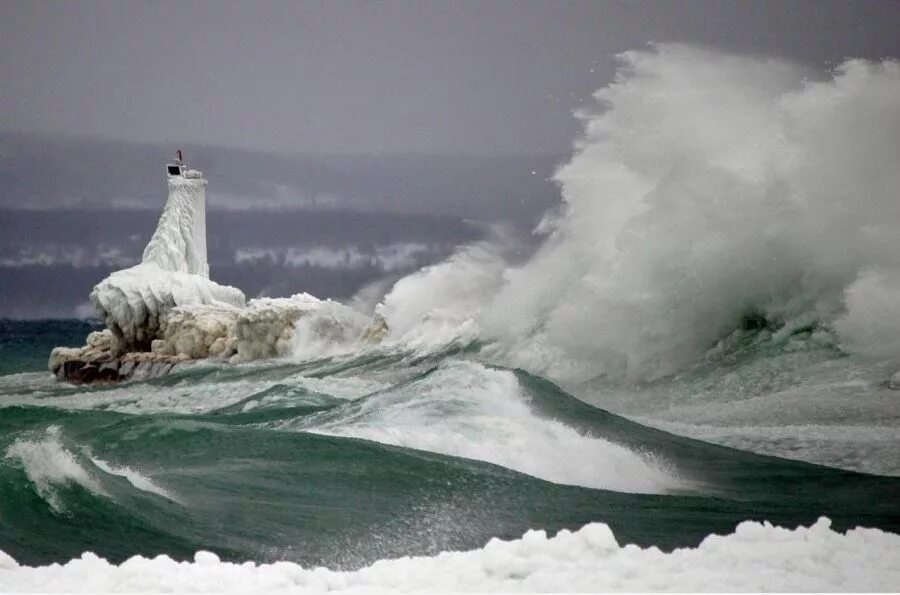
<point>756,557</point>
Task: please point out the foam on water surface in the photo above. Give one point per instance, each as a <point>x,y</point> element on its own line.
<point>468,410</point>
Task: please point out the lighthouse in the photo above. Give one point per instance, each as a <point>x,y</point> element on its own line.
<point>136,303</point>
<point>179,243</point>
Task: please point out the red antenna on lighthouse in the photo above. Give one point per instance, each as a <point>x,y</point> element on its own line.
<point>179,155</point>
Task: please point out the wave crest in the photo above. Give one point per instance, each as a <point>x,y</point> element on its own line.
<point>48,464</point>
<point>707,188</point>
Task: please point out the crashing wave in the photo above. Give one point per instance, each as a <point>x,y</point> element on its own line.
<point>706,190</point>
<point>466,409</point>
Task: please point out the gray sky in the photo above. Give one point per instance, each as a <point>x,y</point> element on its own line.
<point>480,77</point>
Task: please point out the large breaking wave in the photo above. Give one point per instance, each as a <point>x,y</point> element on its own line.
<point>709,191</point>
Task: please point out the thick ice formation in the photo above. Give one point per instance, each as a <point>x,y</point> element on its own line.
<point>756,557</point>
<point>100,346</point>
<point>179,243</point>
<point>199,331</point>
<point>265,328</point>
<point>135,303</point>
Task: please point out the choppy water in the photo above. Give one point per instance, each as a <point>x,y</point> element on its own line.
<point>346,460</point>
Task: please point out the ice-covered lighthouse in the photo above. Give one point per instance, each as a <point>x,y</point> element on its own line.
<point>179,243</point>
<point>166,310</point>
<point>135,302</point>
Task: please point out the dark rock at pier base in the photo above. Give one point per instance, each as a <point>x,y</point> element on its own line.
<point>100,362</point>
<point>131,366</point>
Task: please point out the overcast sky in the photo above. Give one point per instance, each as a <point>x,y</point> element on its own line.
<point>480,77</point>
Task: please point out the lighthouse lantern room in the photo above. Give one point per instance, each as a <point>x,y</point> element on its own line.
<point>177,168</point>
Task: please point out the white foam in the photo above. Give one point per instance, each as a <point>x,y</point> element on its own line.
<point>139,481</point>
<point>465,409</point>
<point>756,557</point>
<point>48,464</point>
<point>184,396</point>
<point>709,187</point>
<point>301,326</point>
<point>331,329</point>
<point>871,324</point>
<point>456,288</point>
<point>706,186</point>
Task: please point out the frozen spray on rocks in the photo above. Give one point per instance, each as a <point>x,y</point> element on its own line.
<point>166,310</point>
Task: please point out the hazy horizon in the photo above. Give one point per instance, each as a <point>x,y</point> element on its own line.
<point>458,110</point>
<point>477,78</point>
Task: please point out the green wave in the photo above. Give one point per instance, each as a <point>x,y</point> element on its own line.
<point>243,486</point>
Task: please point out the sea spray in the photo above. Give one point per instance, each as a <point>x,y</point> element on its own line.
<point>48,464</point>
<point>707,189</point>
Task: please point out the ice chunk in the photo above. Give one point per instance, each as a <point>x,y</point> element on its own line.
<point>756,557</point>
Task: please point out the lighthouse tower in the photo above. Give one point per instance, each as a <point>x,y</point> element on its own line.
<point>179,243</point>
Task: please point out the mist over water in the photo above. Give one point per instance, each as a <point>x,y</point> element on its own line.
<point>708,192</point>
